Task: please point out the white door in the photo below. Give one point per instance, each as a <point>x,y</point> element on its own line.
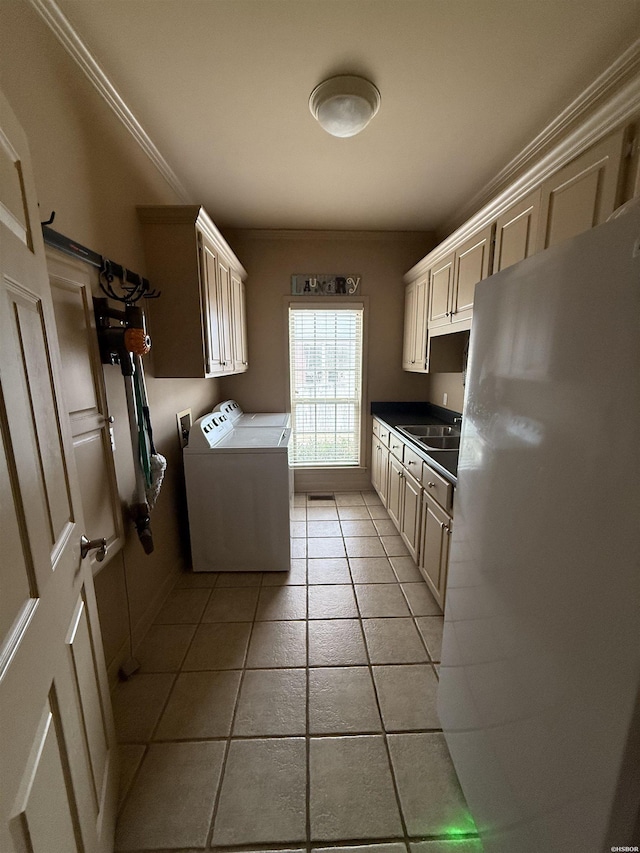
<point>72,284</point>
<point>57,743</point>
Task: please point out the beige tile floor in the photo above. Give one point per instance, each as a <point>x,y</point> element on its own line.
<point>294,711</point>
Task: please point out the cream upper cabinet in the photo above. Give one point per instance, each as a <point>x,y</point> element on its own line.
<point>440,293</point>
<point>196,321</point>
<point>239,331</point>
<point>516,231</point>
<point>453,282</point>
<point>583,193</point>
<point>414,353</point>
<point>472,261</point>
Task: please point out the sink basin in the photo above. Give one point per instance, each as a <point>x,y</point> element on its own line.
<point>447,442</point>
<point>433,430</point>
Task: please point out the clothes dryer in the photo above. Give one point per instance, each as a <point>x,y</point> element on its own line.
<point>239,491</point>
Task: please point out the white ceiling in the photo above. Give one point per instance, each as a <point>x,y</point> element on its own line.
<point>222,88</point>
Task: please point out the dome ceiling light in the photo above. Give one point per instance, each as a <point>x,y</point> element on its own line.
<point>344,105</point>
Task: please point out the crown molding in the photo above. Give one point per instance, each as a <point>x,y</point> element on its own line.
<point>61,27</point>
<point>197,216</point>
<point>622,103</point>
<point>318,234</point>
<point>621,71</point>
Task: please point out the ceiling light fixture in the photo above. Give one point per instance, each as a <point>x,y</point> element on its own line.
<point>344,105</point>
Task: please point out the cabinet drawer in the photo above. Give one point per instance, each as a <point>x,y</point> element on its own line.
<point>441,490</point>
<point>412,462</point>
<point>383,433</point>
<point>396,446</point>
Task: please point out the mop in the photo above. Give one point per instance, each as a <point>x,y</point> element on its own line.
<point>154,463</point>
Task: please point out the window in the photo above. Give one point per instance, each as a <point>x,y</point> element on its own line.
<point>325,365</point>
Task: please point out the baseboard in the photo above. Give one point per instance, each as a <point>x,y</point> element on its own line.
<point>332,480</point>
<point>113,668</point>
<point>143,624</point>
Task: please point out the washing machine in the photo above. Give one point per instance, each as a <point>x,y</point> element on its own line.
<point>253,419</point>
<point>239,492</point>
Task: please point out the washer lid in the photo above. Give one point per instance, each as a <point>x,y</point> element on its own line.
<point>255,438</point>
<point>263,419</point>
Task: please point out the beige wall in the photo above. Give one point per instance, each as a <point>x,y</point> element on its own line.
<point>91,172</point>
<point>271,257</point>
<point>449,384</point>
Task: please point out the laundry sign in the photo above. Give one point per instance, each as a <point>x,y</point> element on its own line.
<point>312,284</point>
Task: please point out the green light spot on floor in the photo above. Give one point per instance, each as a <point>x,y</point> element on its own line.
<point>461,829</point>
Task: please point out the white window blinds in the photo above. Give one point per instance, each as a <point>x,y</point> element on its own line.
<point>325,358</point>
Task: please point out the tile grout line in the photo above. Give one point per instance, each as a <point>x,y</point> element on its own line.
<point>307,726</point>
<point>394,781</point>
<point>227,748</point>
<point>147,744</point>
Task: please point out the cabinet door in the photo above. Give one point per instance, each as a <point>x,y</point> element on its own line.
<point>471,266</point>
<point>583,193</point>
<point>408,347</point>
<point>239,324</point>
<point>434,550</point>
<point>224,316</point>
<point>212,327</point>
<point>375,464</point>
<point>516,232</point>
<point>379,465</point>
<point>440,295</point>
<point>394,490</point>
<point>411,506</point>
<point>384,475</point>
<point>420,335</point>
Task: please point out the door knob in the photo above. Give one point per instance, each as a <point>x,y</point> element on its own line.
<point>99,545</point>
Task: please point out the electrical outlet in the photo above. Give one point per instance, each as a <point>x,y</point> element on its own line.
<point>445,397</point>
<point>183,420</point>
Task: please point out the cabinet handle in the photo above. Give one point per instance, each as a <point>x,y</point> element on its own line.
<point>447,314</point>
<point>442,525</point>
<point>410,462</point>
<point>431,485</point>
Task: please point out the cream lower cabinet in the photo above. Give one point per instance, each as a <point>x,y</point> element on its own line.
<point>435,533</point>
<point>405,503</point>
<point>419,502</point>
<point>394,501</point>
<point>380,460</point>
<point>410,516</point>
<point>395,473</point>
<point>434,551</point>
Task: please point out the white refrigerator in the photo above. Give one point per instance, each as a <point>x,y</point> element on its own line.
<point>539,692</point>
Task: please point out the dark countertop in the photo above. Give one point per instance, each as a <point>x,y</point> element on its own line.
<point>400,414</point>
